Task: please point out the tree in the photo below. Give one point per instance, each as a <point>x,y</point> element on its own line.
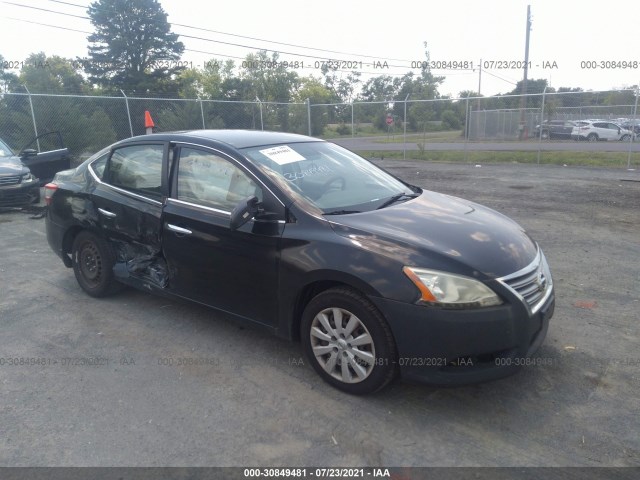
<point>42,74</point>
<point>272,81</point>
<point>317,94</point>
<point>8,80</point>
<point>132,47</point>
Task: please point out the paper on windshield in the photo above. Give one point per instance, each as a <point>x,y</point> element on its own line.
<point>282,154</point>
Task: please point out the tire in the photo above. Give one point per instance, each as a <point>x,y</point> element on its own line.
<point>545,135</point>
<point>592,137</point>
<point>93,260</point>
<point>625,138</point>
<point>330,323</point>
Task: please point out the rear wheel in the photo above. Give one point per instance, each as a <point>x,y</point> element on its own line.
<point>592,137</point>
<point>93,260</point>
<point>348,341</point>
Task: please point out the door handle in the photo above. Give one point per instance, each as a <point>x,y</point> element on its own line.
<point>106,213</point>
<point>175,228</point>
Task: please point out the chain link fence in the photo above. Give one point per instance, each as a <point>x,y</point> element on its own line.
<point>88,123</point>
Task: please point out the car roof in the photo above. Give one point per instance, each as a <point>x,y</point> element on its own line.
<point>239,138</point>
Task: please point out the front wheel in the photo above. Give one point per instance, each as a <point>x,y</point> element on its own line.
<point>625,138</point>
<point>93,261</point>
<point>348,341</point>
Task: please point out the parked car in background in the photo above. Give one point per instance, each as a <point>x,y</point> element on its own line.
<point>632,125</point>
<point>310,241</point>
<point>21,175</point>
<point>555,129</point>
<point>600,130</point>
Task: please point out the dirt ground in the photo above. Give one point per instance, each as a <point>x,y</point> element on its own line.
<point>104,387</point>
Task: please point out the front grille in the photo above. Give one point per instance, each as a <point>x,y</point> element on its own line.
<point>531,283</point>
<point>10,180</point>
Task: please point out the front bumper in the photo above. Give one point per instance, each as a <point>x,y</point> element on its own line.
<point>19,194</point>
<point>446,347</point>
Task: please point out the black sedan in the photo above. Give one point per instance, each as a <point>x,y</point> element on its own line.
<point>375,276</point>
<point>554,129</point>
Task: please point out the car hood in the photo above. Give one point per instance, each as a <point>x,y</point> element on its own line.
<point>12,166</point>
<point>442,232</point>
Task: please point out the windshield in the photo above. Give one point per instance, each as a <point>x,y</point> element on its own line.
<point>330,177</point>
<point>5,151</point>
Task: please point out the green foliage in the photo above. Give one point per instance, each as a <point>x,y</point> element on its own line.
<point>132,47</point>
<point>343,129</point>
<point>317,93</point>
<point>42,74</point>
<point>101,132</point>
<point>450,120</point>
<point>271,81</point>
<point>8,79</point>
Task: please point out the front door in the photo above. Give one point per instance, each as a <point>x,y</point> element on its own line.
<point>235,271</point>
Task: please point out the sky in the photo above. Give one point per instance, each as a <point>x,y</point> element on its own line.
<point>581,43</point>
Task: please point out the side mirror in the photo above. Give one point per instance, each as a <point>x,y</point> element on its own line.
<point>29,152</point>
<point>244,211</point>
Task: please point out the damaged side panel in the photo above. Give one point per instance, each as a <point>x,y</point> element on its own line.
<point>133,224</point>
<point>141,262</point>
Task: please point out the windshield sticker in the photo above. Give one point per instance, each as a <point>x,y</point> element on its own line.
<point>282,155</point>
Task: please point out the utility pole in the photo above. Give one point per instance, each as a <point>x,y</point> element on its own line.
<point>479,84</point>
<point>523,101</point>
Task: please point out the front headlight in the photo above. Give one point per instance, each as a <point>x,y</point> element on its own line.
<point>451,291</point>
<point>28,178</point>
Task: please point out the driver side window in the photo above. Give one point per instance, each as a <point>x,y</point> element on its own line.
<point>207,179</point>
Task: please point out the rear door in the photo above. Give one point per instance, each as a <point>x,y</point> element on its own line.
<point>129,203</point>
<point>235,271</point>
<point>613,131</point>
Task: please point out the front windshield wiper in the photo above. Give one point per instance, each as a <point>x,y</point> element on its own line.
<point>397,197</point>
<point>342,212</point>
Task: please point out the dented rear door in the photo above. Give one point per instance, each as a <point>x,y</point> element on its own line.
<point>129,210</point>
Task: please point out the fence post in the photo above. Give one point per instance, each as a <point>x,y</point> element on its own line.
<point>33,117</point>
<point>353,124</point>
<point>635,112</point>
<point>404,134</point>
<point>467,124</point>
<point>541,123</point>
<point>260,105</point>
<point>128,112</point>
<point>204,126</point>
<point>309,115</point>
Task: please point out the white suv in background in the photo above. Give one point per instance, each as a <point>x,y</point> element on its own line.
<point>600,130</point>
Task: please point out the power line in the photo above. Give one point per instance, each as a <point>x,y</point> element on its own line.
<point>457,72</point>
<point>46,10</point>
<point>262,39</point>
<point>48,25</point>
<point>217,41</point>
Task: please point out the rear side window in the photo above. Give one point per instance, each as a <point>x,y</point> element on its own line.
<point>212,181</point>
<point>99,164</point>
<point>137,168</point>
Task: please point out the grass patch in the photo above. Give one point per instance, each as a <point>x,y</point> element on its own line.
<point>396,135</point>
<point>591,159</point>
<point>446,136</point>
